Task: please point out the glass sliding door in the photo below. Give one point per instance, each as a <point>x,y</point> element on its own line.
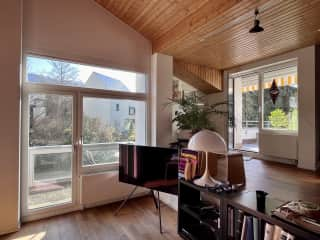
<point>49,167</point>
<point>263,101</point>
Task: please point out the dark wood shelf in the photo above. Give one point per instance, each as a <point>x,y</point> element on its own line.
<point>206,222</point>
<point>191,225</point>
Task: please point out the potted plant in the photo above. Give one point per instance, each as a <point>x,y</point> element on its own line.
<point>194,114</point>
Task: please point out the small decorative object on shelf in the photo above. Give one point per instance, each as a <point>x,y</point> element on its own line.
<point>302,213</point>
<point>261,200</point>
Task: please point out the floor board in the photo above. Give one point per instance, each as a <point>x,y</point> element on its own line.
<point>138,220</point>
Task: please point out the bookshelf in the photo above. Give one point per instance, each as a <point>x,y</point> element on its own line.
<point>207,215</point>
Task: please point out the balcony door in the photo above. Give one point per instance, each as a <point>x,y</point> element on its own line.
<point>50,152</point>
<point>263,102</point>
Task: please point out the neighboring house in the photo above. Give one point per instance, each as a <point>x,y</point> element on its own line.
<point>113,112</point>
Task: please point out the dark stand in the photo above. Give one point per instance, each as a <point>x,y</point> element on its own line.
<point>156,203</point>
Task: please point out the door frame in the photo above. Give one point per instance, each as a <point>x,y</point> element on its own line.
<point>33,214</point>
<point>260,70</point>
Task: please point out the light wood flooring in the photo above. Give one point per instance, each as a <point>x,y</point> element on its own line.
<point>138,220</point>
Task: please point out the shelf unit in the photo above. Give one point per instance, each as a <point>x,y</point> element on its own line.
<point>193,225</point>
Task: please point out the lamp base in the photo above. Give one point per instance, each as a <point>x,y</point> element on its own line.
<point>207,181</point>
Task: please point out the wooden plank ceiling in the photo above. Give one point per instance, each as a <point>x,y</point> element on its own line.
<point>215,32</point>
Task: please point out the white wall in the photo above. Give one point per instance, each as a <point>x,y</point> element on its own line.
<point>306,101</point>
<point>81,30</point>
<point>78,30</point>
<point>10,49</point>
<point>161,77</point>
<point>103,188</point>
<point>218,120</point>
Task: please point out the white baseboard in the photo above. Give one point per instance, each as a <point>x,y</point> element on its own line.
<point>271,158</point>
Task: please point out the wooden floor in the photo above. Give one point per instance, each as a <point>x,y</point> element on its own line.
<point>138,220</point>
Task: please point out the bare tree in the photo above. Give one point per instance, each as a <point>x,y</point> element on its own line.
<point>63,72</point>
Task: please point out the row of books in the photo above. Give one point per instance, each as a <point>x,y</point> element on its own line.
<point>241,226</point>
<point>246,227</point>
<point>273,232</point>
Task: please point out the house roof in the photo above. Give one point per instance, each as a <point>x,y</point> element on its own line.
<point>106,82</point>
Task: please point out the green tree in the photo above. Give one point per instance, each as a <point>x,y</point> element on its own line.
<point>278,119</point>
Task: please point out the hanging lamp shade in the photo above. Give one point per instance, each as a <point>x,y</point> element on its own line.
<point>256,24</point>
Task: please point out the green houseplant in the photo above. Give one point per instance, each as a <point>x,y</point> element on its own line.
<point>194,114</point>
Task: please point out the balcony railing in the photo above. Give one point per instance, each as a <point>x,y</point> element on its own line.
<point>54,163</point>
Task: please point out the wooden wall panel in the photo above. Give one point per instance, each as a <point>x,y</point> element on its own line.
<point>206,79</point>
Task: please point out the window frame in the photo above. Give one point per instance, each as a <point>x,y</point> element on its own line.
<point>80,93</point>
<point>107,166</point>
<point>260,71</point>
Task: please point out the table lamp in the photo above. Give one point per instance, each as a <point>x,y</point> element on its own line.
<point>207,141</point>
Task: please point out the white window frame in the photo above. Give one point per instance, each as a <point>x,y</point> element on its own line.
<point>78,93</point>
<point>81,92</point>
<point>260,71</point>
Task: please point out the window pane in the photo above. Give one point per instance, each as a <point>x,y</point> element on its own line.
<point>108,122</point>
<point>49,150</point>
<point>283,114</point>
<point>58,72</point>
<point>246,122</point>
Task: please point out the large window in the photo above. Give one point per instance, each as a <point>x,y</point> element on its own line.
<point>58,72</point>
<point>75,115</point>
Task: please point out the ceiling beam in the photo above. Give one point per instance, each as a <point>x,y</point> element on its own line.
<point>206,79</point>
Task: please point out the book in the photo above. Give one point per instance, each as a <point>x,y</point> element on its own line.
<point>277,233</point>
<point>268,231</point>
<point>238,222</point>
<point>283,235</point>
<point>244,228</point>
<point>290,236</point>
<point>189,161</point>
<point>255,229</point>
<point>231,222</point>
<point>302,213</point>
<point>249,228</point>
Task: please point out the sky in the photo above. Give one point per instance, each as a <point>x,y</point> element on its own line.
<point>41,66</point>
